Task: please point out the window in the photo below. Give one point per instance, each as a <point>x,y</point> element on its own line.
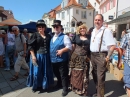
<point>96,12</point>
<point>67,25</point>
<point>95,4</point>
<point>67,11</point>
<point>105,9</point>
<point>73,24</point>
<point>63,15</point>
<point>78,1</point>
<point>46,21</point>
<point>83,14</point>
<point>4,18</point>
<point>59,15</point>
<point>77,11</point>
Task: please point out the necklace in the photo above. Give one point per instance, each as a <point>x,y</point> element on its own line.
<point>95,35</point>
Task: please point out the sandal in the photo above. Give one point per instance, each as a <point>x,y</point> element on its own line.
<point>26,74</point>
<point>14,78</point>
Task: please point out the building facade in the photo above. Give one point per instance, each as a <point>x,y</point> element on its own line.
<point>69,12</point>
<point>108,8</point>
<point>95,4</point>
<point>75,10</point>
<point>50,16</point>
<point>123,17</point>
<point>5,14</point>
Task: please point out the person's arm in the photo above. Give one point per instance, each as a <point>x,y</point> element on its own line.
<point>33,55</point>
<point>68,46</point>
<point>2,35</point>
<point>24,45</point>
<point>110,51</point>
<point>120,53</point>
<point>25,48</point>
<point>5,39</point>
<point>110,43</point>
<point>123,33</point>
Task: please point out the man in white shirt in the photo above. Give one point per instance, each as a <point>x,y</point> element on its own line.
<point>100,56</point>
<point>60,46</point>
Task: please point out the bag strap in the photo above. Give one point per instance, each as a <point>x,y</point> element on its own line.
<point>101,41</point>
<point>21,37</point>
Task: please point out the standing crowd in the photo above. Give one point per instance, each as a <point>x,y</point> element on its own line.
<point>68,59</point>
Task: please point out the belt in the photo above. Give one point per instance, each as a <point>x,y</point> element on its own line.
<point>104,52</point>
<point>100,52</point>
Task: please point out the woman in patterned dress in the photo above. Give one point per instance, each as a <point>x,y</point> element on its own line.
<point>79,63</point>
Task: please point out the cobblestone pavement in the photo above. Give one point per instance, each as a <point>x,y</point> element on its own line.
<point>18,88</point>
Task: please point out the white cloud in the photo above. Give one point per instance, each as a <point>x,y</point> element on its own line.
<point>29,21</point>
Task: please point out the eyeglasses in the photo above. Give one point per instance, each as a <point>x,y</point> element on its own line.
<point>55,26</point>
<point>82,28</point>
<point>14,30</point>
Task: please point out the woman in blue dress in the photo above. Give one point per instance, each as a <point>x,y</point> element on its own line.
<point>41,74</point>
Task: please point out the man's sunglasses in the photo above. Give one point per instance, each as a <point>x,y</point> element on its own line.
<point>55,26</point>
<point>14,30</point>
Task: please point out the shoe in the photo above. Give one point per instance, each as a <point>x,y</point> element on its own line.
<point>34,90</point>
<point>58,86</point>
<point>14,78</point>
<point>94,95</point>
<point>64,93</point>
<point>26,74</point>
<point>7,69</point>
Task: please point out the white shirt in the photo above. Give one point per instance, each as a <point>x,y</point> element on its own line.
<point>107,41</point>
<point>11,39</point>
<point>67,41</point>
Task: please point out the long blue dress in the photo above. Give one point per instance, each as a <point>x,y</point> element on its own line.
<point>41,76</point>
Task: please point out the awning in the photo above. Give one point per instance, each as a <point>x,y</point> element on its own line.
<point>121,19</point>
<point>10,21</point>
<point>3,27</point>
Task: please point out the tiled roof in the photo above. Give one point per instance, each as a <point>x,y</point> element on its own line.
<point>10,21</point>
<point>8,13</point>
<point>73,2</point>
<point>52,13</point>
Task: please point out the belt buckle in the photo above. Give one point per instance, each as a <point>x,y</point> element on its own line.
<point>101,55</point>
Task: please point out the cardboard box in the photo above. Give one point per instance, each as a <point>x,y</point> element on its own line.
<point>111,68</point>
<point>118,74</point>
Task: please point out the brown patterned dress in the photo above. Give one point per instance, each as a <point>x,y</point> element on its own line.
<point>79,64</point>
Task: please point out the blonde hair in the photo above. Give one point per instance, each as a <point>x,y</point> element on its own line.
<point>82,26</point>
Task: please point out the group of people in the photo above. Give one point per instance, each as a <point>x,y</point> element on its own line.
<point>53,56</point>
<point>56,54</point>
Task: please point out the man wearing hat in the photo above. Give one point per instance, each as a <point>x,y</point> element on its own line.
<point>60,46</point>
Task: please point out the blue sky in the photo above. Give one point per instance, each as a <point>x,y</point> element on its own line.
<point>26,10</point>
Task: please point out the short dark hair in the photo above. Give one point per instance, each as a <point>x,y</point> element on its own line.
<point>101,16</point>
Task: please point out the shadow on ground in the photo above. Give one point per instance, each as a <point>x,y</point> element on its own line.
<point>113,88</point>
<point>7,86</point>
